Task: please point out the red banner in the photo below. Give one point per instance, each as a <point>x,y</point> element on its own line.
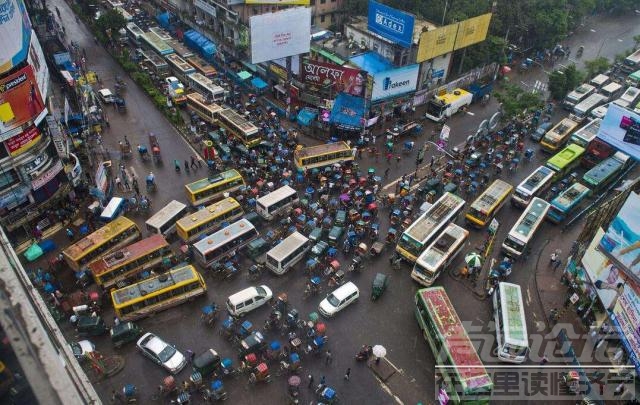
<point>19,143</point>
<point>342,79</point>
<point>20,99</point>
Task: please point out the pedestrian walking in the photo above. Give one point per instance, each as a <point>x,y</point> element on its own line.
<point>135,186</point>
<point>554,257</point>
<point>126,184</point>
<point>310,378</point>
<point>619,389</point>
<point>347,374</point>
<point>373,138</point>
<point>557,264</point>
<point>194,165</point>
<point>386,173</point>
<point>328,357</point>
<point>433,161</point>
<point>389,157</point>
<point>322,381</point>
<point>398,158</point>
<point>119,183</point>
<point>69,233</point>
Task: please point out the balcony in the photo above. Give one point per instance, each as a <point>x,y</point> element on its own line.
<point>24,215</point>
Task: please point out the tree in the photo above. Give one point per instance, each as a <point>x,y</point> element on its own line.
<point>573,77</point>
<point>636,40</point>
<point>111,22</point>
<point>516,101</point>
<point>557,85</point>
<point>596,66</point>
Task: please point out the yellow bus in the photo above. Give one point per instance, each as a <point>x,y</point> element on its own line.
<point>202,67</point>
<point>192,226</point>
<point>485,207</point>
<point>240,127</point>
<point>158,293</point>
<point>558,135</point>
<point>322,155</point>
<point>121,266</point>
<point>213,188</point>
<point>118,233</point>
<point>207,111</point>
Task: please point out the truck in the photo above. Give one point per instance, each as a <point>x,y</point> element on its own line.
<point>404,128</point>
<point>479,90</point>
<point>444,105</point>
<point>176,90</point>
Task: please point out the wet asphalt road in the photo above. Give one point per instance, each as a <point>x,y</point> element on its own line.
<point>389,321</point>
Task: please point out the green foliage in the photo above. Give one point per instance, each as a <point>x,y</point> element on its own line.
<point>486,52</point>
<point>516,101</point>
<point>561,82</point>
<point>596,66</point>
<point>111,21</point>
<point>636,40</point>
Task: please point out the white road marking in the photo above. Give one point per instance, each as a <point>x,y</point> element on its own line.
<point>388,391</point>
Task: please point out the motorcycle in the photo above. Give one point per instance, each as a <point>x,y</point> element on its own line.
<point>364,354</point>
<point>356,264</point>
<point>498,274</point>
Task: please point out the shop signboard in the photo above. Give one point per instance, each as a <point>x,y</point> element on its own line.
<point>318,75</point>
<point>20,99</point>
<point>437,42</point>
<point>621,128</point>
<point>15,31</point>
<point>47,176</point>
<point>392,24</point>
<point>472,31</point>
<point>22,142</point>
<point>394,82</point>
<point>280,34</point>
<point>37,61</point>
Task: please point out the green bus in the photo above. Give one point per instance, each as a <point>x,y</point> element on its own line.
<point>565,160</point>
<point>458,362</point>
<point>604,172</point>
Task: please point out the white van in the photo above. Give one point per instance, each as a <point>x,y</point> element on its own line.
<point>339,299</point>
<point>248,299</point>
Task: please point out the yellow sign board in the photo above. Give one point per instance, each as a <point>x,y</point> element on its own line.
<point>281,2</point>
<point>472,31</point>
<point>437,42</point>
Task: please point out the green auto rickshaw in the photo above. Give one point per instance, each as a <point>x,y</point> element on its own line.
<point>316,234</point>
<point>379,284</point>
<point>256,248</point>
<point>341,218</point>
<point>334,235</point>
<point>90,326</point>
<point>206,363</point>
<point>124,332</point>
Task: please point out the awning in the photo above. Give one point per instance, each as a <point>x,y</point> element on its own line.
<point>249,66</point>
<point>306,115</point>
<point>14,197</point>
<point>348,112</point>
<point>244,75</point>
<point>279,88</point>
<point>258,83</point>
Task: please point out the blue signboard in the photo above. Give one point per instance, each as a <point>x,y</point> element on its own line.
<point>391,24</point>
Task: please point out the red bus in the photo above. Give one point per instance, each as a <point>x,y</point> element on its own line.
<point>597,151</point>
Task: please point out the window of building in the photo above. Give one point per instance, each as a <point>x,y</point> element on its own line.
<point>8,178</point>
<point>323,1</point>
<point>322,18</point>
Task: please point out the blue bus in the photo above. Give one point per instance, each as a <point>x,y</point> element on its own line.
<point>567,202</point>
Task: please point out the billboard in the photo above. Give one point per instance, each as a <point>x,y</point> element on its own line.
<point>39,65</point>
<point>392,24</point>
<point>280,2</point>
<point>20,99</point>
<point>394,82</point>
<point>621,242</point>
<point>342,79</point>
<point>22,142</point>
<point>437,42</point>
<point>15,31</point>
<point>621,128</point>
<point>472,31</point>
<point>280,34</point>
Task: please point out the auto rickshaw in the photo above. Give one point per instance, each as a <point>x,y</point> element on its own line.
<point>334,235</point>
<point>256,248</point>
<point>215,392</point>
<point>260,374</point>
<point>252,344</point>
<point>206,363</point>
<point>327,395</point>
<point>316,234</point>
<point>391,235</point>
<point>376,248</point>
<point>124,332</point>
<point>572,381</point>
<point>336,278</point>
<point>341,217</point>
<point>209,314</point>
<point>90,326</point>
<point>319,249</point>
<point>356,263</point>
<point>333,266</point>
<point>379,284</point>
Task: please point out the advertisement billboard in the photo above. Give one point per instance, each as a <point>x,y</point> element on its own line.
<point>39,64</point>
<point>621,242</point>
<point>392,24</point>
<point>280,2</point>
<point>472,31</point>
<point>394,82</point>
<point>20,99</point>
<point>342,79</point>
<point>15,31</point>
<point>281,34</point>
<point>621,128</point>
<point>436,42</point>
<point>21,143</point>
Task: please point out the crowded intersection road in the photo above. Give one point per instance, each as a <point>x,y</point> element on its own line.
<point>388,321</point>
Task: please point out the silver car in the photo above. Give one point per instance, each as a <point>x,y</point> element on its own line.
<point>162,353</point>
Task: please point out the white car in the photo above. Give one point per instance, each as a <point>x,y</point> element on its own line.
<point>162,353</point>
<point>339,299</point>
<point>106,96</point>
<point>82,348</point>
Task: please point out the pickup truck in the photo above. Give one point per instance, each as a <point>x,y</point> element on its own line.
<point>404,128</point>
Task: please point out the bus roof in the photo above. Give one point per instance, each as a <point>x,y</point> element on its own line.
<point>449,98</point>
<point>275,195</point>
<point>561,129</point>
<point>567,155</point>
<point>99,236</point>
<point>213,107</point>
<point>133,27</point>
<point>491,195</point>
<point>515,330</point>
<point>140,248</point>
<point>155,59</point>
<point>568,196</point>
<point>425,224</point>
<point>536,178</point>
<point>238,120</point>
<point>205,82</point>
<point>589,131</point>
<point>180,49</point>
<point>284,248</point>
<point>191,220</point>
<point>202,183</point>
<point>153,284</point>
<point>156,43</point>
<point>180,63</point>
<point>202,65</point>
<point>454,337</point>
<point>321,149</point>
<point>531,216</point>
<point>603,170</point>
<point>160,217</point>
<point>215,239</point>
<point>432,256</point>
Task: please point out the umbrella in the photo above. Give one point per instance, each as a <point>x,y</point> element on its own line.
<point>275,345</point>
<point>473,259</point>
<point>33,252</point>
<point>294,381</point>
<point>379,351</point>
<point>344,197</point>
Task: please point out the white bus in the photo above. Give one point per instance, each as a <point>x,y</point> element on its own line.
<point>423,230</point>
<point>224,243</point>
<point>586,134</point>
<point>134,33</point>
<point>287,253</point>
<point>511,324</point>
<point>628,98</point>
<point>584,108</point>
<point>439,255</point>
<point>534,185</point>
<point>164,221</point>
<point>203,85</point>
<point>180,67</point>
<point>277,201</point>
<point>525,229</point>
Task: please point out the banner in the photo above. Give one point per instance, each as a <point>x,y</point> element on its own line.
<point>391,24</point>
<point>472,31</point>
<point>394,82</point>
<point>15,31</point>
<point>20,99</point>
<point>281,34</point>
<point>21,143</point>
<point>342,79</point>
<point>38,62</point>
<point>436,42</point>
<point>47,176</point>
<point>621,128</point>
<point>280,2</point>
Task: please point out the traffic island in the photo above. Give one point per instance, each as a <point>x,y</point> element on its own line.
<point>382,369</point>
